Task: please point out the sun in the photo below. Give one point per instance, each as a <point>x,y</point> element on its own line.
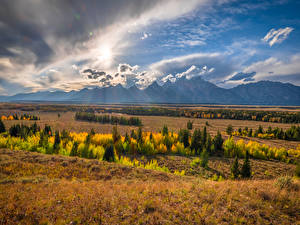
<point>105,54</point>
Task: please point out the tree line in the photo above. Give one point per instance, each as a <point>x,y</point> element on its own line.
<point>24,116</point>
<point>86,116</point>
<point>290,134</point>
<point>265,116</point>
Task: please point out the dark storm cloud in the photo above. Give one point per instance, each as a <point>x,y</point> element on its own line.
<point>38,25</point>
<point>94,74</point>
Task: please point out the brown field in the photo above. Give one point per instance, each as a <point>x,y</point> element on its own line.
<point>46,189</point>
<point>53,189</point>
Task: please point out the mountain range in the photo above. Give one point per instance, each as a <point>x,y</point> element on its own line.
<point>195,90</point>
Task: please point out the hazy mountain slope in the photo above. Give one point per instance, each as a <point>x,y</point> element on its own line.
<point>195,90</point>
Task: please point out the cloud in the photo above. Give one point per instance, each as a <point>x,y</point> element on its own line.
<point>272,69</point>
<point>243,76</point>
<point>277,36</point>
<point>145,35</point>
<point>37,35</point>
<point>211,66</point>
<point>125,68</point>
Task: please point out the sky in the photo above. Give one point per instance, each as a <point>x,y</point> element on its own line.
<point>74,44</point>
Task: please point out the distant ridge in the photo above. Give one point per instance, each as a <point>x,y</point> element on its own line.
<point>195,90</point>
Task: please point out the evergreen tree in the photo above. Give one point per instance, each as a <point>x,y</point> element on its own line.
<point>165,130</point>
<point>47,130</point>
<point>56,142</point>
<point>204,136</point>
<point>189,125</point>
<point>246,168</point>
<point>140,135</point>
<point>204,159</point>
<point>2,127</point>
<point>250,133</point>
<point>133,134</point>
<point>92,132</point>
<point>115,134</point>
<point>208,144</point>
<point>229,129</point>
<point>151,136</point>
<point>184,137</point>
<point>217,142</point>
<point>235,172</point>
<point>85,151</point>
<point>127,138</point>
<point>196,141</point>
<point>109,154</point>
<point>74,150</point>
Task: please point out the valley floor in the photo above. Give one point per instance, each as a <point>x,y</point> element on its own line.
<point>52,189</point>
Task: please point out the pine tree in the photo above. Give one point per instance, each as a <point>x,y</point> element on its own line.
<point>229,129</point>
<point>204,159</point>
<point>184,137</point>
<point>140,136</point>
<point>92,132</point>
<point>109,154</point>
<point>165,130</point>
<point>246,168</point>
<point>218,142</point>
<point>115,134</point>
<point>127,138</point>
<point>74,150</point>
<point>235,172</point>
<point>2,127</point>
<point>189,125</point>
<point>196,141</point>
<point>56,142</point>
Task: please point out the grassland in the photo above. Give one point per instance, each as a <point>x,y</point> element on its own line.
<point>37,188</point>
<point>44,189</point>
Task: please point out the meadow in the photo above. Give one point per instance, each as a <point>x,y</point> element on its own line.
<point>160,173</point>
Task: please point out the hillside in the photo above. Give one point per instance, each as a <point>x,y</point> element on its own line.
<point>37,188</point>
<point>195,90</point>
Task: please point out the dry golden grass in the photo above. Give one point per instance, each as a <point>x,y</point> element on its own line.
<point>41,189</point>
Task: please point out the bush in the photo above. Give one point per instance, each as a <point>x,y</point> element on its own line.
<point>196,162</point>
<point>284,182</point>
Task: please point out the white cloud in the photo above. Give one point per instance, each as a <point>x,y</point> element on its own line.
<point>145,35</point>
<point>212,66</point>
<point>277,36</point>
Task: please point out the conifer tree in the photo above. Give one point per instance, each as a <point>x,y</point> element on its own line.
<point>2,127</point>
<point>196,141</point>
<point>127,138</point>
<point>165,130</point>
<point>235,172</point>
<point>74,150</point>
<point>246,168</point>
<point>109,154</point>
<point>204,159</point>
<point>189,125</point>
<point>56,142</point>
<point>229,129</point>
<point>115,134</point>
<point>218,142</point>
<point>140,136</point>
